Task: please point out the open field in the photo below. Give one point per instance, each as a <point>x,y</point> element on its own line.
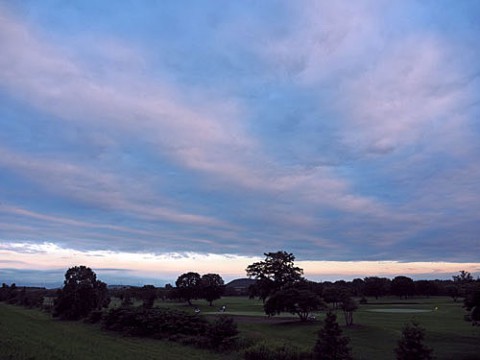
<point>29,334</point>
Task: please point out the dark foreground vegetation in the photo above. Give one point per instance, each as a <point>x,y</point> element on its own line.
<point>284,317</point>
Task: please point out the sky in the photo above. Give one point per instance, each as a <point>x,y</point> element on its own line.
<point>149,138</point>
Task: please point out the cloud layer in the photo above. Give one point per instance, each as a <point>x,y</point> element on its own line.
<point>334,130</point>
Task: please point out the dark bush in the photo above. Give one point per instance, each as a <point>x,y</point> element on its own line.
<point>155,322</point>
<point>172,325</point>
<point>264,351</point>
<point>223,332</point>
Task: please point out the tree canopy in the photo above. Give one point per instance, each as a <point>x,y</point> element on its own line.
<point>81,294</point>
<point>295,300</point>
<point>189,286</point>
<point>212,287</point>
<point>402,286</point>
<point>274,273</point>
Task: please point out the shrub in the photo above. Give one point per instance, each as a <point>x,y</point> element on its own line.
<point>411,345</point>
<point>223,332</point>
<point>155,322</point>
<point>331,343</point>
<point>264,351</point>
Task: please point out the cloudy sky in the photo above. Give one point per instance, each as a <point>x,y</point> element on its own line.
<point>149,138</point>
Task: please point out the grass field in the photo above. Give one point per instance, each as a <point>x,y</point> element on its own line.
<point>29,334</point>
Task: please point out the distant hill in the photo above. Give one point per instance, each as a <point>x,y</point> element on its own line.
<point>238,286</point>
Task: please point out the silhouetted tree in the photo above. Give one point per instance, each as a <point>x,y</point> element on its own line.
<point>402,286</point>
<point>81,293</point>
<point>376,286</point>
<point>148,294</point>
<point>189,286</point>
<point>333,294</point>
<point>411,345</point>
<point>331,343</point>
<point>212,287</point>
<point>274,273</point>
<point>348,305</point>
<point>453,291</point>
<point>358,287</point>
<point>296,300</point>
<point>463,278</point>
<point>426,288</point>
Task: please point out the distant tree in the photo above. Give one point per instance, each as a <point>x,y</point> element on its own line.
<point>426,288</point>
<point>126,297</point>
<point>331,343</point>
<point>411,345</point>
<point>453,291</point>
<point>274,273</point>
<point>402,286</point>
<point>463,278</point>
<point>333,294</point>
<point>81,293</point>
<point>148,294</point>
<point>189,286</point>
<point>295,300</point>
<point>213,287</point>
<point>5,292</point>
<point>376,286</point>
<point>472,302</point>
<point>348,305</point>
<point>358,287</point>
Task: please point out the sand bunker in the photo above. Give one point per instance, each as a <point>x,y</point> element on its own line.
<point>404,311</point>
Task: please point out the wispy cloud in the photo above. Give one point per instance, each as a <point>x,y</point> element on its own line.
<point>336,130</point>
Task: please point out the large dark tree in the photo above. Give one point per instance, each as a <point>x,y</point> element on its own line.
<point>212,287</point>
<point>331,344</point>
<point>81,294</point>
<point>376,286</point>
<point>402,286</point>
<point>296,300</point>
<point>274,273</point>
<point>411,345</point>
<point>189,286</point>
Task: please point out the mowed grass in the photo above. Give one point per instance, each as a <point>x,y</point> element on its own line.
<point>374,334</point>
<point>30,334</point>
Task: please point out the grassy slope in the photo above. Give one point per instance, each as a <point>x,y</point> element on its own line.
<point>30,334</point>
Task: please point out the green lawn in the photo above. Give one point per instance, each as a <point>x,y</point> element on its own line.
<point>30,334</point>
